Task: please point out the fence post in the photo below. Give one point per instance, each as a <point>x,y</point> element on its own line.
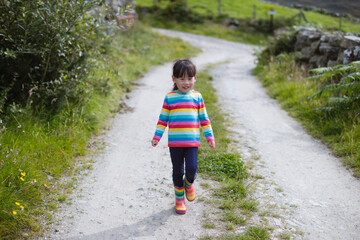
<point>155,2</point>
<point>340,19</point>
<point>254,11</point>
<point>219,7</point>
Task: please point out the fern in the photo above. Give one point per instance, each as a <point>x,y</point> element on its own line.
<point>340,85</point>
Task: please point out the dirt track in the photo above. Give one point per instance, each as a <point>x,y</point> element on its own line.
<point>129,193</point>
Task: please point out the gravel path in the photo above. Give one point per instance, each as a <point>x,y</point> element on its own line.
<point>129,193</point>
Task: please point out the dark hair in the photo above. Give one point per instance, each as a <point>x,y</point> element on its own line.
<point>183,67</point>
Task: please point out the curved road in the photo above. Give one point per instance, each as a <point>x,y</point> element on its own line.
<point>129,193</point>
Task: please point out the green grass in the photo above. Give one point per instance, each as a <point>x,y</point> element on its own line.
<point>209,225</point>
<point>232,217</point>
<point>38,150</point>
<point>217,118</point>
<point>250,233</point>
<point>212,29</point>
<point>244,9</point>
<point>339,130</point>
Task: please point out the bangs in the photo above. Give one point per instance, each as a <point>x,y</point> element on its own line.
<point>184,67</point>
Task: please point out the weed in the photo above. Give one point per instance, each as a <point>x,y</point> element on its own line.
<point>207,237</point>
<point>233,218</point>
<point>251,233</point>
<point>62,198</point>
<point>227,204</point>
<point>231,191</point>
<point>230,227</point>
<point>256,232</point>
<point>209,225</point>
<point>248,205</point>
<point>258,176</point>
<point>285,235</point>
<point>205,185</point>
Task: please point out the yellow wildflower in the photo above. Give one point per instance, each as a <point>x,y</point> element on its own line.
<point>128,6</point>
<point>22,207</point>
<point>23,174</point>
<point>22,179</point>
<point>17,203</point>
<point>45,185</point>
<point>14,212</point>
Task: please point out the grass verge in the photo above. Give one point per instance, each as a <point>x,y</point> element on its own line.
<point>226,167</point>
<point>340,130</point>
<point>37,150</point>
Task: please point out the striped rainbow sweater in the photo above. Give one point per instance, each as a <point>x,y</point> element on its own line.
<point>184,113</point>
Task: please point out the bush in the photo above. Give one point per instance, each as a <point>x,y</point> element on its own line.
<point>42,46</point>
<point>282,43</point>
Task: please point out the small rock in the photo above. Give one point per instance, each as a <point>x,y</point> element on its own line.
<point>157,217</point>
<point>277,222</point>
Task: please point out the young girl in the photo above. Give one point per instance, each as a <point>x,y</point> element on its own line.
<point>183,111</point>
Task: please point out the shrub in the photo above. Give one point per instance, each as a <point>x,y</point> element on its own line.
<point>42,46</point>
<point>281,43</point>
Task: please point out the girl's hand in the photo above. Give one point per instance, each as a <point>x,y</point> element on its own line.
<point>212,144</point>
<point>154,142</point>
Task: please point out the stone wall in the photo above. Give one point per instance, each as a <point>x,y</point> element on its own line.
<point>325,49</point>
<point>122,11</point>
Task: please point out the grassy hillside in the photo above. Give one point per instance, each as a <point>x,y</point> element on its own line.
<point>244,9</point>
<point>336,6</point>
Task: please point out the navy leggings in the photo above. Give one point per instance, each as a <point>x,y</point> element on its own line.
<point>178,155</point>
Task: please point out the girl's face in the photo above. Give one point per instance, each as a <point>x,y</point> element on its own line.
<point>185,84</point>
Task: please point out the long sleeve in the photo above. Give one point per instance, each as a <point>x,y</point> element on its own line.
<point>204,121</point>
<point>163,120</point>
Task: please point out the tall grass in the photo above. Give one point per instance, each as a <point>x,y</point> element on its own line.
<point>244,9</point>
<point>37,150</point>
